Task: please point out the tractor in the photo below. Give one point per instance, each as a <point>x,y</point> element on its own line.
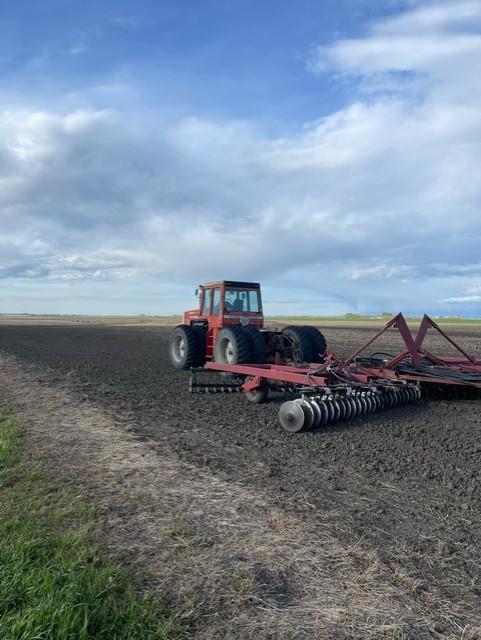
<point>225,337</point>
<point>228,328</point>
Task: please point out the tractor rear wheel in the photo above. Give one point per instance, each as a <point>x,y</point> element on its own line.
<point>257,344</point>
<point>182,347</point>
<point>318,342</point>
<point>302,344</point>
<point>232,346</point>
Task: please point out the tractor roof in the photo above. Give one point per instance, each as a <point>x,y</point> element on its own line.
<point>233,283</point>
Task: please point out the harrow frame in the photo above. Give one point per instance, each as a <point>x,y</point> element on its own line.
<point>342,382</point>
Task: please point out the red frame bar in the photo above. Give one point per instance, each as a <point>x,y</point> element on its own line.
<point>331,372</point>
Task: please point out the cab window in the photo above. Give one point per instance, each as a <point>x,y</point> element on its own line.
<point>206,305</point>
<point>242,300</point>
<point>216,302</point>
<point>254,302</point>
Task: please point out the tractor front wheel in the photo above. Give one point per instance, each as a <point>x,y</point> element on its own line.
<point>232,346</point>
<point>182,347</point>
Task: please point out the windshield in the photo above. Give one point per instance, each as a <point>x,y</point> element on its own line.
<point>245,300</point>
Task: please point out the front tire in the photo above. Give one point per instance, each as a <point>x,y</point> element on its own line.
<point>182,347</point>
<point>232,346</point>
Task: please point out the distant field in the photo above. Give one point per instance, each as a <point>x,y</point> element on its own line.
<point>372,320</point>
<point>72,319</point>
<point>346,320</point>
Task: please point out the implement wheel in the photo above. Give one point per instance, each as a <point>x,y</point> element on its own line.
<point>259,395</point>
<point>232,346</point>
<point>182,347</point>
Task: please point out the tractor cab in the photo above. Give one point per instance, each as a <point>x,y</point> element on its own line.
<point>227,302</point>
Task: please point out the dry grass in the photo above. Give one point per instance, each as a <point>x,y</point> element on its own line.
<point>238,565</point>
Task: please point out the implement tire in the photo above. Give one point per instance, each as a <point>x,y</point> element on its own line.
<point>232,346</point>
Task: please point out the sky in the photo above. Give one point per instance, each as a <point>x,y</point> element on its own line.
<point>328,149</point>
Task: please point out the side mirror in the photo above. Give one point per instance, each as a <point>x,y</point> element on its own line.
<point>196,293</point>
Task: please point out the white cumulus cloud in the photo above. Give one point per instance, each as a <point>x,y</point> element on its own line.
<point>371,208</point>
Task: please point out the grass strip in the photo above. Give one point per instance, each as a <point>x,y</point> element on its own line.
<point>54,585</point>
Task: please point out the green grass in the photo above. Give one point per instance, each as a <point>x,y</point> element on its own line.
<point>54,584</point>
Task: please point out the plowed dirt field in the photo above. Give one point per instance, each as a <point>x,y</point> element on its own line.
<point>367,529</point>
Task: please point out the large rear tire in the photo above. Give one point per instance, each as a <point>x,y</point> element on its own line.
<point>257,344</point>
<point>302,344</point>
<point>318,343</point>
<point>182,347</point>
<point>232,346</point>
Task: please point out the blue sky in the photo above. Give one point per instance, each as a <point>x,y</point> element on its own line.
<point>329,150</point>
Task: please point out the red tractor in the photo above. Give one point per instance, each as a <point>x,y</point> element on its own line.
<point>228,327</point>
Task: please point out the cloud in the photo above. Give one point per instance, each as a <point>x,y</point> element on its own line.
<point>374,207</point>
<point>434,47</point>
<point>128,22</point>
<point>464,299</point>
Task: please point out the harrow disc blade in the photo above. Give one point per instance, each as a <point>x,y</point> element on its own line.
<point>292,417</point>
<point>337,410</point>
<point>334,411</point>
<point>389,399</point>
<point>347,407</point>
<point>378,401</point>
<point>308,412</point>
<point>353,406</point>
<point>397,397</point>
<point>330,409</point>
<point>324,412</point>
<point>317,412</point>
<point>342,408</point>
<point>357,405</point>
<point>371,407</point>
<point>363,402</point>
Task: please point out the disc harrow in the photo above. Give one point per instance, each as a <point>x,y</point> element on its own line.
<point>312,411</point>
<point>341,390</point>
